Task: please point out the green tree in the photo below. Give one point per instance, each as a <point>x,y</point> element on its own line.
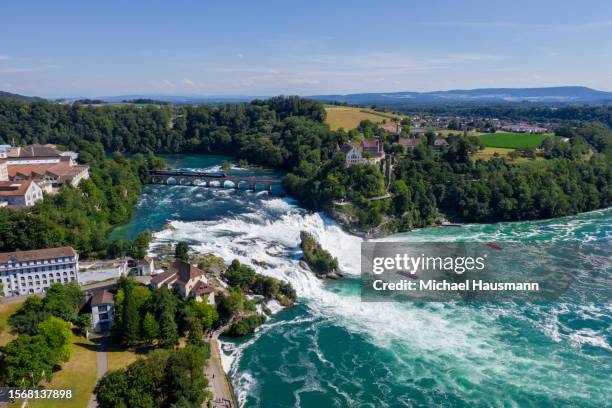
<point>58,335</point>
<point>166,311</point>
<point>27,318</point>
<point>130,318</point>
<point>150,328</point>
<point>181,251</point>
<point>83,323</point>
<point>186,378</point>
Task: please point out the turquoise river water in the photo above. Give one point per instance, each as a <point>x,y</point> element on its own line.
<point>332,350</point>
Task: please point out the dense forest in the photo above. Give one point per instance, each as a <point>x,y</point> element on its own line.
<point>82,217</point>
<point>289,133</point>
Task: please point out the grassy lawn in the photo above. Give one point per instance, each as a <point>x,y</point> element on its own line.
<point>5,311</point>
<point>512,140</point>
<point>120,357</point>
<point>78,374</point>
<point>348,117</point>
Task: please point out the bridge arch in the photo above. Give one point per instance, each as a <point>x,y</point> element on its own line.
<point>245,185</point>
<point>261,186</point>
<point>229,184</point>
<point>172,181</point>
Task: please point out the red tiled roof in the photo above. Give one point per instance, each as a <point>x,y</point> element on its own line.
<point>161,277</point>
<point>202,289</point>
<point>186,271</point>
<point>37,254</point>
<point>62,170</point>
<point>101,297</point>
<point>14,188</point>
<point>389,128</point>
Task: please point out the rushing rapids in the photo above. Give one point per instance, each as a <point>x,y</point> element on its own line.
<point>334,350</point>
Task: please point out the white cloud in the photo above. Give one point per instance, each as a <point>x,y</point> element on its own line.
<point>189,83</point>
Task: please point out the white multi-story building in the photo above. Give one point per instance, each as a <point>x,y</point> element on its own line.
<point>102,308</point>
<point>26,272</point>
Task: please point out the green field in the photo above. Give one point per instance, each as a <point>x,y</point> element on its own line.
<point>512,140</point>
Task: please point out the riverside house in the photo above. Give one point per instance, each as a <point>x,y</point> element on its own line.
<point>187,280</point>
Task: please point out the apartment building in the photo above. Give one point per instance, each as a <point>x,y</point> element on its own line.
<point>26,272</point>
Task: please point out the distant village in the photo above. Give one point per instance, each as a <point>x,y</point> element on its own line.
<point>371,150</point>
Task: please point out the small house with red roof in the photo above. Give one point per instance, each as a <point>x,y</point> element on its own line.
<point>188,281</point>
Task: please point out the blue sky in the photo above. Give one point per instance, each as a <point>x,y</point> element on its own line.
<point>268,47</point>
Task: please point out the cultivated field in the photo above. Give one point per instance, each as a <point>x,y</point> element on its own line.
<point>447,132</point>
<point>512,140</point>
<point>489,152</point>
<point>348,118</point>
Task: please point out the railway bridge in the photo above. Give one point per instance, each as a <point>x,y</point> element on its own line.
<point>212,179</point>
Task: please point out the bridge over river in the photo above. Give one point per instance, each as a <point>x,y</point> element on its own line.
<point>209,179</point>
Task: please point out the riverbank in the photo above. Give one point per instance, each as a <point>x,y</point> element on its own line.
<point>218,383</point>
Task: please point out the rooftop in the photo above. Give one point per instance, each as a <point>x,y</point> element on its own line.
<point>35,150</point>
<point>161,277</point>
<point>62,170</point>
<point>37,254</point>
<point>185,270</point>
<point>409,142</point>
<point>102,297</point>
<point>14,188</point>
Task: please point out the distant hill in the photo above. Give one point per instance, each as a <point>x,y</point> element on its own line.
<point>562,94</point>
<point>178,99</point>
<point>17,97</point>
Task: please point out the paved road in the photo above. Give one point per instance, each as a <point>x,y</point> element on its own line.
<point>102,364</point>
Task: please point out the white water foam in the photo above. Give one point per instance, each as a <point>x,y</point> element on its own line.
<point>443,335</point>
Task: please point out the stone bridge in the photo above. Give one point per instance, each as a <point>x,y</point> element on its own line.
<point>210,179</point>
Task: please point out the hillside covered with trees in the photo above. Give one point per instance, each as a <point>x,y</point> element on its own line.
<point>289,133</point>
